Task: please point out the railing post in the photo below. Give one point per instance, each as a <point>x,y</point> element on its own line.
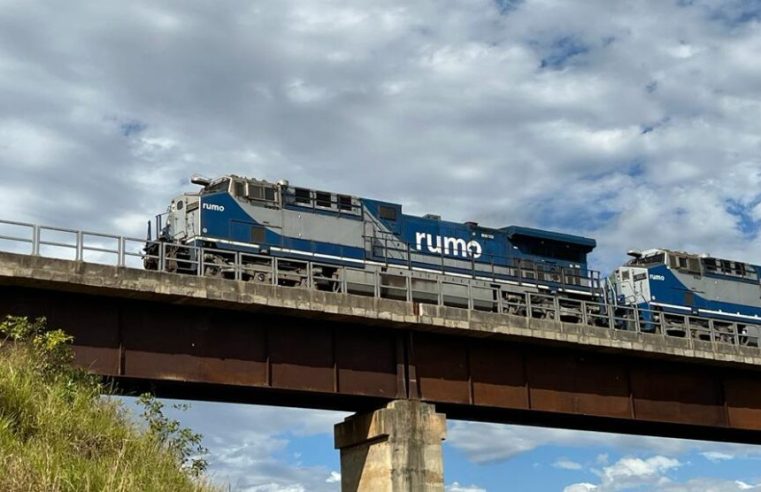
<point>344,284</point>
<point>662,317</point>
<point>121,261</point>
<point>736,334</point>
<point>637,326</point>
<point>238,263</point>
<point>556,308</point>
<point>162,256</point>
<point>385,249</point>
<point>528,305</point>
<point>80,246</point>
<point>199,262</point>
<point>584,314</point>
<point>35,240</point>
<point>688,329</point>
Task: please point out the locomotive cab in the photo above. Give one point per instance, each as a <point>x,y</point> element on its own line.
<point>631,282</point>
<point>681,284</point>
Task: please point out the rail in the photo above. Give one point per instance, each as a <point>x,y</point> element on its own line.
<point>394,283</point>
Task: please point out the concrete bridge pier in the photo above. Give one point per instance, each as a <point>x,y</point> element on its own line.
<point>393,449</point>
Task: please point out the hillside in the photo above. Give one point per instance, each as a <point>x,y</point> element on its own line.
<point>58,433</point>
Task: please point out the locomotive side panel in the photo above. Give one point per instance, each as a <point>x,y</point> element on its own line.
<point>243,215</point>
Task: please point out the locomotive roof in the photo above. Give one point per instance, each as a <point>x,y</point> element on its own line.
<point>584,243</point>
<point>649,253</point>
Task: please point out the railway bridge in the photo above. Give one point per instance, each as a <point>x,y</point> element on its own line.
<point>401,366</point>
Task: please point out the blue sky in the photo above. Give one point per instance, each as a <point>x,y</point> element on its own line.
<point>269,449</point>
<point>636,123</point>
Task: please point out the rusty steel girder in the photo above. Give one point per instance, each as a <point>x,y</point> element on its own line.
<point>276,357</point>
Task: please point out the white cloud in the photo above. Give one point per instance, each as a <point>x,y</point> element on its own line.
<point>247,443</point>
<point>483,442</point>
<point>716,456</point>
<point>580,487</point>
<point>744,486</point>
<point>379,100</point>
<point>273,487</point>
<point>652,474</point>
<point>456,487</point>
<point>630,473</point>
<point>566,464</point>
<point>636,470</point>
<point>639,128</point>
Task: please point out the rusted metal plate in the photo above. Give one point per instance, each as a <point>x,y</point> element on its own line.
<point>442,369</point>
<point>670,393</point>
<point>498,376</point>
<point>297,360</point>
<point>302,358</point>
<point>200,347</point>
<point>99,360</point>
<point>366,362</point>
<point>572,383</point>
<point>19,301</point>
<point>743,396</point>
<point>91,324</point>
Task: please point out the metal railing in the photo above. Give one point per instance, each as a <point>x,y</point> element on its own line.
<point>388,248</point>
<point>388,283</point>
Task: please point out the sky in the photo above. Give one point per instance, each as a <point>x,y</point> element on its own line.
<point>632,122</point>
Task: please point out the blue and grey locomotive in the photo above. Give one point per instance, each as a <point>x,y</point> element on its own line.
<point>714,290</point>
<point>254,218</point>
<point>233,226</point>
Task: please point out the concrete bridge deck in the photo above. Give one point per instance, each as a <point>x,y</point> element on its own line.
<point>90,278</point>
<point>218,339</point>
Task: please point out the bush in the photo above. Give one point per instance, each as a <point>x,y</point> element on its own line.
<point>57,432</point>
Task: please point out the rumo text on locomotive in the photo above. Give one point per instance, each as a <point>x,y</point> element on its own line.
<point>451,245</point>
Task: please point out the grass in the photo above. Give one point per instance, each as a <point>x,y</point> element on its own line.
<point>57,433</point>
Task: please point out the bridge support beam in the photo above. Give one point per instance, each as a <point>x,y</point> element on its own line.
<point>394,449</point>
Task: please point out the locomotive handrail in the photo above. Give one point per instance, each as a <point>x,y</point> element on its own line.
<point>697,331</point>
<point>522,271</point>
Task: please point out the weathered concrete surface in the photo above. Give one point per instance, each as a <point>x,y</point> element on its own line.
<point>201,338</point>
<point>82,277</point>
<point>394,449</point>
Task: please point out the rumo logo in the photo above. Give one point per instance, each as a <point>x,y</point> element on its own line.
<point>214,207</point>
<point>655,276</point>
<point>448,245</point>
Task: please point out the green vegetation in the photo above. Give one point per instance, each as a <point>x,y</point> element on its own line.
<point>58,433</point>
